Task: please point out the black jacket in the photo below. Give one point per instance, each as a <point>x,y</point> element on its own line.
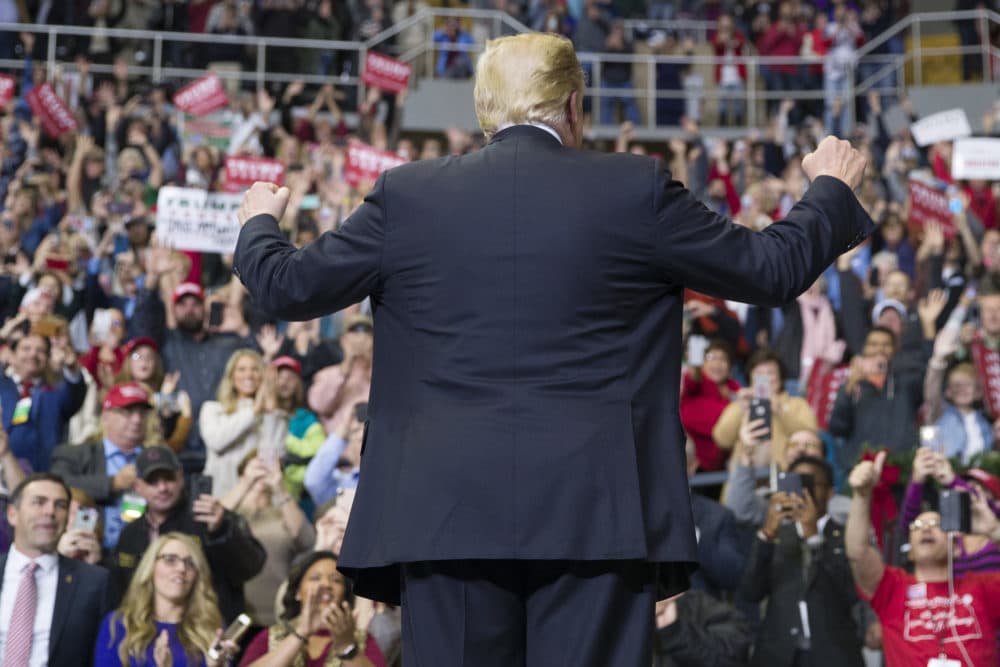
<point>234,555</point>
<point>528,301</point>
<point>788,571</point>
<point>707,633</point>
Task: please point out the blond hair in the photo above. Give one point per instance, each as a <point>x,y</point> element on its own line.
<point>227,396</point>
<point>526,78</point>
<point>199,622</point>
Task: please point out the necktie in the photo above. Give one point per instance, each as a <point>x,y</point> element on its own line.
<point>22,622</point>
<point>26,386</point>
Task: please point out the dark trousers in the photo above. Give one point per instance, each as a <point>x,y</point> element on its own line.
<point>509,613</point>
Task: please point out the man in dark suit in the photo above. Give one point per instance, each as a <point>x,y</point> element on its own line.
<point>50,606</point>
<point>523,487</point>
<point>35,413</point>
<point>799,564</point>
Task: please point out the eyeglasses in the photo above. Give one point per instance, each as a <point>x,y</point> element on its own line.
<point>920,524</point>
<point>173,560</point>
<point>360,328</point>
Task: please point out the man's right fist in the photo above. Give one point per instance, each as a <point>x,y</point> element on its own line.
<point>866,475</point>
<point>264,198</point>
<point>835,157</point>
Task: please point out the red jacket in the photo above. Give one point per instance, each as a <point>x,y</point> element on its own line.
<point>701,404</point>
<point>739,50</point>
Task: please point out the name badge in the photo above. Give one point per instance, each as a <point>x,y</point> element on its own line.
<point>943,662</point>
<point>21,411</point>
<point>132,507</point>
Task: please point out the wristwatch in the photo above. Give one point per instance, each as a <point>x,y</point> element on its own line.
<point>350,653</point>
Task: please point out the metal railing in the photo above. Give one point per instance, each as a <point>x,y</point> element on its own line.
<point>266,59</point>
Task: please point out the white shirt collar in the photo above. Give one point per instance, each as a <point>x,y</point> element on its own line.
<point>46,562</point>
<point>541,126</point>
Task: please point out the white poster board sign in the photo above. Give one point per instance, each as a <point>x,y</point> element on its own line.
<point>976,158</point>
<point>941,126</point>
<point>193,219</point>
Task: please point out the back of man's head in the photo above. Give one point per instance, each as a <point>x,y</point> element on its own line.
<point>526,78</point>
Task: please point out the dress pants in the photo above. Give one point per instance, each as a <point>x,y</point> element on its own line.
<point>519,613</point>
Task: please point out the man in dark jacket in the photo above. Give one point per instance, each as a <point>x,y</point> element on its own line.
<point>234,555</point>
<point>798,563</point>
<point>523,455</point>
<point>696,630</point>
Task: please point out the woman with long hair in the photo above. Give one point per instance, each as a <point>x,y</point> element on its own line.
<point>317,627</point>
<point>244,417</point>
<point>171,420</point>
<point>169,616</point>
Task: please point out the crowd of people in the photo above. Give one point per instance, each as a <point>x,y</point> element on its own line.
<point>173,458</point>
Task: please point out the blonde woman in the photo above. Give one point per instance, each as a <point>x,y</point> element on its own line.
<point>170,616</point>
<point>245,417</point>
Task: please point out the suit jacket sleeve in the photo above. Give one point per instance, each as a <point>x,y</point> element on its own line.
<point>338,269</point>
<point>704,251</point>
<point>757,578</point>
<point>76,465</point>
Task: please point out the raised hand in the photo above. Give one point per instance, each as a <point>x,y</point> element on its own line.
<point>866,475</point>
<point>835,157</point>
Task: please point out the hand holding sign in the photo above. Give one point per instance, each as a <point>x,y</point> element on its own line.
<point>264,198</point>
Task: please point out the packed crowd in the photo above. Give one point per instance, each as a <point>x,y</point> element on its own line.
<point>173,458</point>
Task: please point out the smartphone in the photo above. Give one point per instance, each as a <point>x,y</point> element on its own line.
<point>215,312</point>
<point>233,633</point>
<point>956,511</point>
<point>86,519</point>
<point>361,412</point>
<point>267,455</point>
<point>790,483</point>
<point>201,485</point>
<point>873,276</point>
<point>929,438</point>
<point>760,404</point>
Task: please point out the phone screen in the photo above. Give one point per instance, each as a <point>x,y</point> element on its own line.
<point>215,314</point>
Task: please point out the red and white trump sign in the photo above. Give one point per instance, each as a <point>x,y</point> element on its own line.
<point>386,73</point>
<point>242,172</point>
<point>365,163</point>
<point>56,117</point>
<point>202,96</point>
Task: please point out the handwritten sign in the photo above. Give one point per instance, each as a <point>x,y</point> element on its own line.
<point>198,220</point>
<point>942,126</point>
<point>976,158</point>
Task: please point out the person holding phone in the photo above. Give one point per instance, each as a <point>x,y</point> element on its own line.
<point>788,414</point>
<point>244,417</point>
<point>317,626</point>
<point>234,555</point>
<point>84,530</point>
<point>798,564</point>
<point>170,614</point>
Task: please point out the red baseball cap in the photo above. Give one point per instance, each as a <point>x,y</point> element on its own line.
<point>188,289</point>
<point>989,482</point>
<point>139,342</point>
<point>285,361</point>
<point>126,394</point>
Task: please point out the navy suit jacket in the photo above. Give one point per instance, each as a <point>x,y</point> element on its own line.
<point>51,409</point>
<point>81,603</point>
<point>528,305</point>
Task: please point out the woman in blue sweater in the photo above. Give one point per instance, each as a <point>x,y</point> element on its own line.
<point>169,616</point>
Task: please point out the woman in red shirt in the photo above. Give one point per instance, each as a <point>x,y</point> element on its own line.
<point>706,390</point>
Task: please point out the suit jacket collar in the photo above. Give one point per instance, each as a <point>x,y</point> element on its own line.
<point>529,132</point>
<point>65,588</point>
